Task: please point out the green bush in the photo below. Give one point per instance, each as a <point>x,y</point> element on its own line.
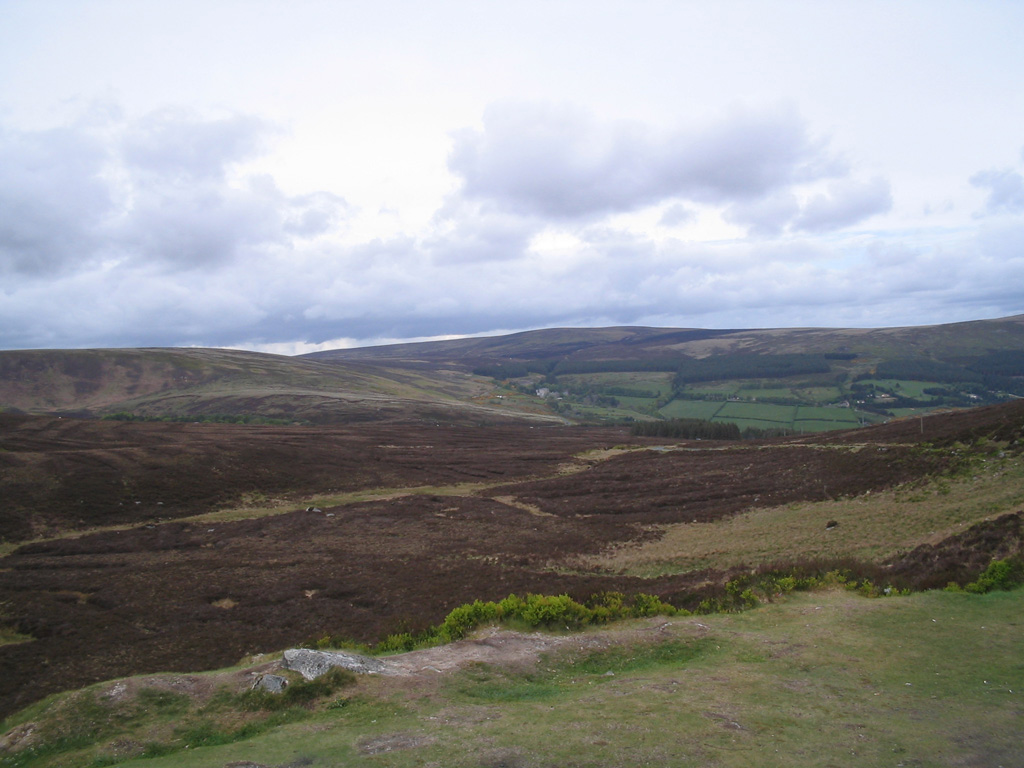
<point>1000,574</point>
<point>650,605</point>
<point>556,610</point>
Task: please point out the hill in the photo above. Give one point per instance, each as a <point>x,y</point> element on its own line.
<point>221,384</point>
<point>953,341</point>
<point>157,550</point>
<point>767,381</point>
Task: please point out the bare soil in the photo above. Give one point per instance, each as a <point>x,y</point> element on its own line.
<point>163,594</point>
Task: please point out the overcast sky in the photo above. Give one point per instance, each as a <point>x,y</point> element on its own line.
<point>293,176</point>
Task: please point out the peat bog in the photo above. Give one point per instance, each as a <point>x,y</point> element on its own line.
<point>166,593</point>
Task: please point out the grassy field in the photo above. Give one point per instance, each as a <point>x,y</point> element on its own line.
<point>870,527</point>
<point>820,679</point>
<point>906,388</point>
<point>692,409</point>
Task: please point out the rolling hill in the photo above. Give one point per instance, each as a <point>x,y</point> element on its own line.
<point>762,380</point>
<point>374,493</point>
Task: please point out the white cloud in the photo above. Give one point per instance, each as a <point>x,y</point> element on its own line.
<point>159,190</point>
<point>561,162</point>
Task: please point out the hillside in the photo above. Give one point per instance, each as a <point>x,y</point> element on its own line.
<point>217,383</point>
<point>764,381</point>
<point>767,381</point>
<point>953,341</point>
<point>145,547</point>
<point>152,547</point>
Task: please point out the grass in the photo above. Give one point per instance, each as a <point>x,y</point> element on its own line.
<point>906,387</point>
<point>871,527</point>
<point>783,414</point>
<point>816,680</point>
<point>692,409</point>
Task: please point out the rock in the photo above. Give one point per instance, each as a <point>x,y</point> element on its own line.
<point>312,664</point>
<point>270,683</point>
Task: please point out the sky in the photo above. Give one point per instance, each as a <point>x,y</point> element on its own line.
<point>295,176</point>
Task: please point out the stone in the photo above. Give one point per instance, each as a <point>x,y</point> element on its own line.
<point>312,664</point>
<point>270,683</point>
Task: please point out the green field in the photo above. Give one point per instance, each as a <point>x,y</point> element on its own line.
<point>757,412</point>
<point>714,389</point>
<point>801,403</point>
<point>906,388</point>
<point>692,409</point>
<point>657,384</point>
<point>820,413</point>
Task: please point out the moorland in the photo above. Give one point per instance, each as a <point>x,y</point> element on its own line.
<point>372,492</point>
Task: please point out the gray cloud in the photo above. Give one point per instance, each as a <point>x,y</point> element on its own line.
<point>395,288</point>
<point>1005,190</point>
<point>177,146</point>
<point>768,215</point>
<point>469,234</point>
<point>134,239</point>
<point>154,190</point>
<point>848,202</point>
<point>561,162</point>
<point>53,199</point>
<point>676,215</point>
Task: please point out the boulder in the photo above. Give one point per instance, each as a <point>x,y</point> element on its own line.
<point>312,664</point>
<point>270,683</point>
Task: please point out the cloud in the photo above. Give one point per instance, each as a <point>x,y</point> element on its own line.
<point>175,145</point>
<point>768,215</point>
<point>1005,190</point>
<point>156,232</point>
<point>163,189</point>
<point>848,202</point>
<point>470,233</point>
<point>677,215</point>
<point>561,162</point>
<point>53,199</point>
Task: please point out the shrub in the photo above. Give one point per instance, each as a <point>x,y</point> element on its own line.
<point>544,610</point>
<point>465,618</point>
<point>1000,574</point>
<point>650,605</point>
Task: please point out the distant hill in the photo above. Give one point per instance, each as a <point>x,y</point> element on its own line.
<point>796,379</point>
<point>953,342</point>
<point>766,381</point>
<point>224,384</point>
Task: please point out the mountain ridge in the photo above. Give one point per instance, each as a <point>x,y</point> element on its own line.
<point>447,380</point>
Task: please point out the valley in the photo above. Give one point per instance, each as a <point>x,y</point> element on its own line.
<point>178,539</point>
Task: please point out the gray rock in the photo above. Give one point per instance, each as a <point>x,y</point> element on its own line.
<point>312,664</point>
<point>270,683</point>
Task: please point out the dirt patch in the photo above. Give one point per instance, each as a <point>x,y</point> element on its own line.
<point>393,741</point>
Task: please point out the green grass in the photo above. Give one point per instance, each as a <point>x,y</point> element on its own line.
<point>692,409</point>
<point>811,413</point>
<point>657,383</point>
<point>767,393</point>
<point>780,415</point>
<point>715,389</point>
<point>905,387</point>
<point>816,680</point>
<point>871,527</point>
